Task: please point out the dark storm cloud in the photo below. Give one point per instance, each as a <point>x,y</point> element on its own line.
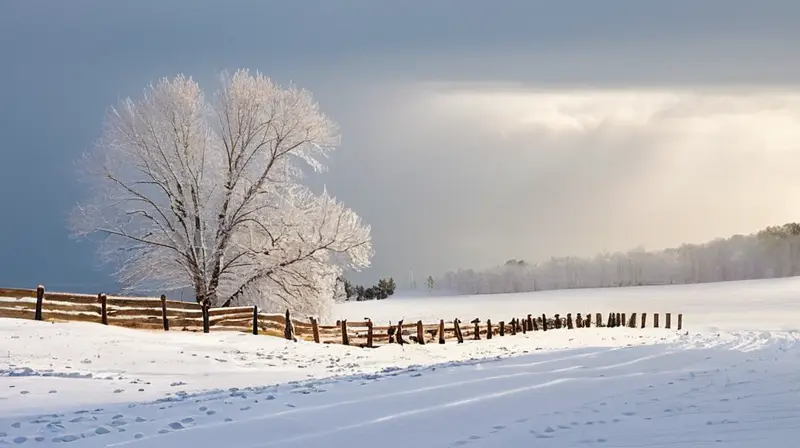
<point>445,183</point>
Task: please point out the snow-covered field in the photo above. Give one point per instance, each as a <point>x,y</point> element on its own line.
<point>731,378</point>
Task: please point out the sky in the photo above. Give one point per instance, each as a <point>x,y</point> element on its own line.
<point>472,131</point>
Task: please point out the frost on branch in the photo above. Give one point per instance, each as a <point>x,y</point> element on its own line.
<point>206,194</point>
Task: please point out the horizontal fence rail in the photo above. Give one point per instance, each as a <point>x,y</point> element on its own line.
<point>149,313</point>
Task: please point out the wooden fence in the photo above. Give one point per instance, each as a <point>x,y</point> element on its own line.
<point>166,315</point>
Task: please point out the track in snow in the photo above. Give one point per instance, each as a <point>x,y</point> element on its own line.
<point>644,396</point>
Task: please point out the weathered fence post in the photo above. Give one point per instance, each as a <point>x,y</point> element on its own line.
<point>557,320</point>
<point>544,322</point>
<point>389,331</point>
<point>288,327</point>
<point>529,322</point>
<point>370,335</point>
<point>579,320</point>
<point>569,321</point>
<point>420,333</point>
<point>534,323</point>
<point>644,319</point>
<point>588,323</point>
<point>680,321</point>
<point>488,328</point>
<point>39,299</point>
<point>206,324</point>
<point>164,317</point>
<point>668,323</point>
<point>441,331</point>
<point>315,329</point>
<point>513,324</point>
<point>345,336</point>
<point>617,321</point>
<point>623,322</point>
<point>477,329</point>
<point>103,308</point>
<point>655,320</point>
<point>632,321</point>
<point>598,320</point>
<point>255,320</point>
<point>399,334</point>
<point>459,335</point>
<point>502,328</point>
<point>523,326</point>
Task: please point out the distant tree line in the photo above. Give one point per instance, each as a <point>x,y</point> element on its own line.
<point>770,253</point>
<point>349,291</point>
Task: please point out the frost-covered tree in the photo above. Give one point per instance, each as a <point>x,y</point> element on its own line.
<point>206,193</point>
<point>340,291</point>
<point>431,283</point>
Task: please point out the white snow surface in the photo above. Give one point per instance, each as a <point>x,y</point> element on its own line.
<point>730,378</point>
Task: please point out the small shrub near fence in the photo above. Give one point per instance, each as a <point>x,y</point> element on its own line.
<point>171,315</point>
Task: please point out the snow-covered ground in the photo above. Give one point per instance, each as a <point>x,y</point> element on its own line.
<point>731,378</point>
<point>708,306</point>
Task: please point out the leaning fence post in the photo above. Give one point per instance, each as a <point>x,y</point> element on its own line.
<point>103,308</point>
<point>668,323</point>
<point>206,325</point>
<point>345,337</point>
<point>369,333</point>
<point>632,321</point>
<point>39,299</point>
<point>680,321</point>
<point>488,328</point>
<point>164,312</point>
<point>399,333</point>
<point>441,331</point>
<point>644,320</point>
<point>458,330</point>
<point>255,320</point>
<point>315,329</point>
